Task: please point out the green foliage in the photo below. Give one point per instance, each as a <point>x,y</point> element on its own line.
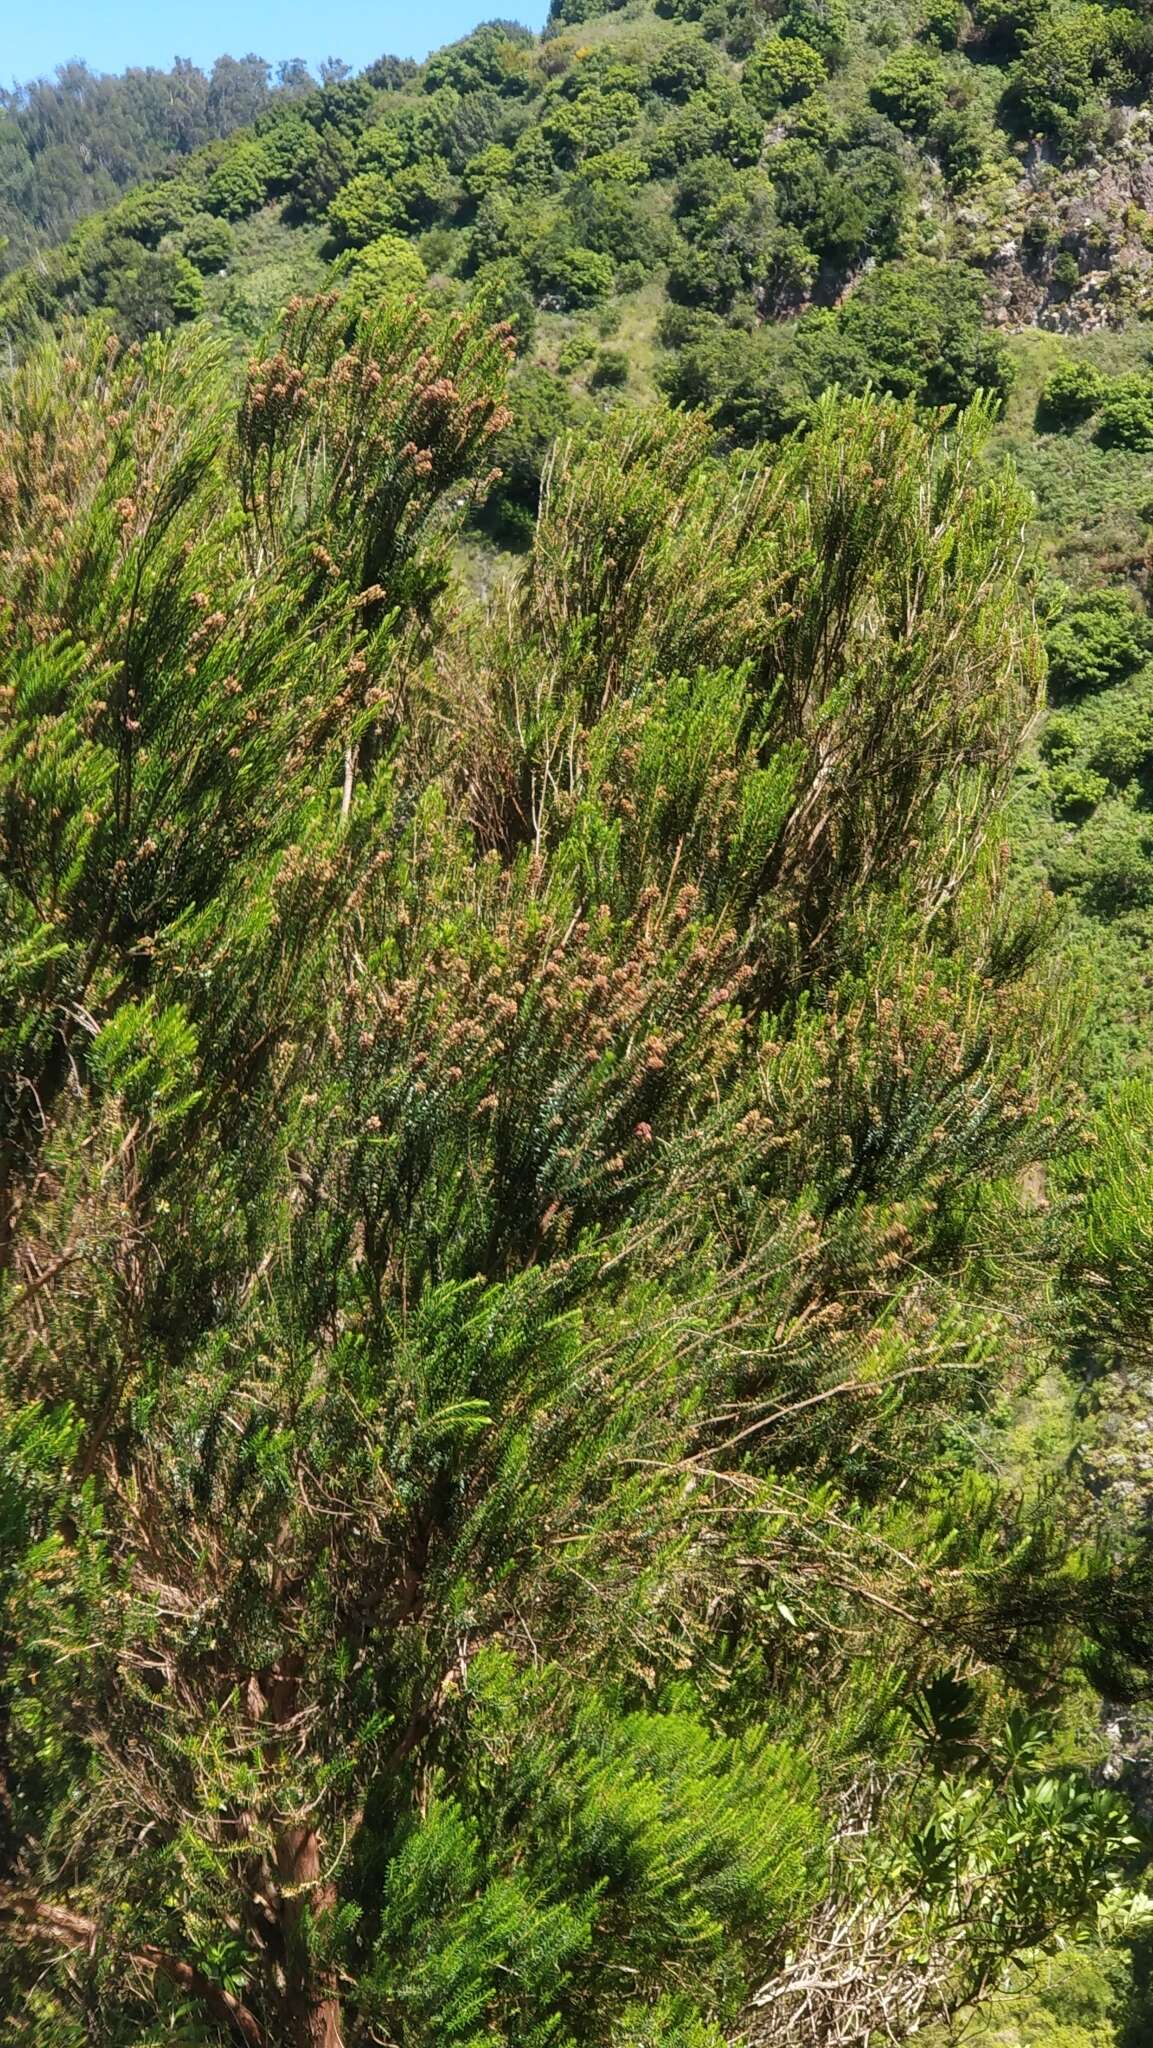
<point>533,1131</point>
<point>717,122</point>
<point>910,90</point>
<point>1112,866</point>
<point>574,276</point>
<point>493,56</point>
<point>1068,56</point>
<point>315,403</point>
<point>547,157</point>
<point>1070,394</point>
<point>846,211</point>
<point>570,13</point>
<point>942,23</point>
<point>781,71</point>
<point>917,329</point>
<point>500,292</point>
<point>1092,641</point>
<point>239,183</point>
<point>1117,1242</point>
<point>961,141</point>
<point>504,1125</point>
<point>823,24</point>
<point>543,411</point>
<point>590,120</point>
<point>610,370</point>
<point>1083,818</point>
<point>728,219</point>
<point>1077,1998</point>
<point>157,290</point>
<point>153,212</point>
<point>365,209</point>
<point>681,66</point>
<point>1077,789</point>
<point>736,377</point>
<point>387,268</point>
<point>655,1852</point>
<point>1066,272</point>
<point>72,144</point>
<point>489,171</point>
<point>1125,415</point>
<point>209,244</point>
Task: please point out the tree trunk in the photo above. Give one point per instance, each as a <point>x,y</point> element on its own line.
<point>311,2004</point>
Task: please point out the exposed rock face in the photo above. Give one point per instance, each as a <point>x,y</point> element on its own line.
<point>1073,250</point>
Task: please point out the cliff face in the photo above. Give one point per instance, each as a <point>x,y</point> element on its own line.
<point>1074,242</point>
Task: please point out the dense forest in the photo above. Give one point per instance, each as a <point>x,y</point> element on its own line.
<point>576,1125</point>
<point>734,211</point>
<point>75,143</point>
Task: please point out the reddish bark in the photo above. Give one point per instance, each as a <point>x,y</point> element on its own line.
<point>311,2004</point>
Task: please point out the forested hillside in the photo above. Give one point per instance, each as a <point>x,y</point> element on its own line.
<point>736,210</point>
<point>576,1142</point>
<point>72,144</point>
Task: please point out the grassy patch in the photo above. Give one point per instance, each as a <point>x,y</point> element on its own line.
<point>273,260</point>
<point>1092,502</point>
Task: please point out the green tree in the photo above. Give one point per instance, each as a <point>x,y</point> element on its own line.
<point>1092,641</point>
<point>153,212</point>
<point>942,23</point>
<point>682,66</point>
<point>385,148</point>
<point>918,329</point>
<point>588,122</point>
<point>239,184</point>
<point>387,268</point>
<point>328,160</point>
<point>739,378</point>
<point>854,208</point>
<point>494,56</point>
<point>501,292</point>
<point>490,170</point>
<point>1070,394</point>
<point>962,142</point>
<point>1068,57</point>
<point>545,411</point>
<point>1125,413</point>
<point>718,122</point>
<point>156,291</point>
<point>571,274</point>
<point>910,90</point>
<point>610,370</point>
<point>823,24</point>
<point>208,243</point>
<point>364,209</point>
<point>77,142</point>
<point>781,71</point>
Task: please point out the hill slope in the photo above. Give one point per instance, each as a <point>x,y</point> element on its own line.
<point>75,143</point>
<point>737,206</point>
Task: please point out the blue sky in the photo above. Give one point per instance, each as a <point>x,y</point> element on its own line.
<point>110,34</point>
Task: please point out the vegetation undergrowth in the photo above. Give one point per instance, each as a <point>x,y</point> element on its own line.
<point>575,1147</point>
<point>515,1196</point>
